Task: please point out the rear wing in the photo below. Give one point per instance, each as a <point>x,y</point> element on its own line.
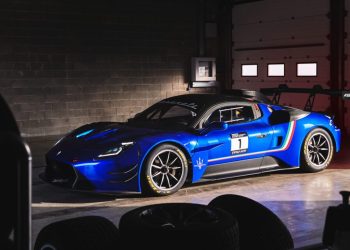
<point>317,89</point>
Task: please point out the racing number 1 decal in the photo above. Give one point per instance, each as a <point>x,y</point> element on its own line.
<point>239,143</point>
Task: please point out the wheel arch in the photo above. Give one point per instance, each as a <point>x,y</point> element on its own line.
<point>332,137</point>
<point>174,143</point>
<point>188,157</point>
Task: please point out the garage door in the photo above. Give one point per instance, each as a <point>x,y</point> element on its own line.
<point>282,42</point>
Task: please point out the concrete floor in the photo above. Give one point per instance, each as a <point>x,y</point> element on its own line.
<point>299,199</point>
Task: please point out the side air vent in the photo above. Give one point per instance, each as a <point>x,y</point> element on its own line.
<point>279,140</point>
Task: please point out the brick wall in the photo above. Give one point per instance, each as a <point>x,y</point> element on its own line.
<point>67,63</point>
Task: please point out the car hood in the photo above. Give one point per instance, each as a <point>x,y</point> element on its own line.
<point>105,134</point>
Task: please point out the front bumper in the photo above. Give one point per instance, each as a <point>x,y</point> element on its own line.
<point>100,176</point>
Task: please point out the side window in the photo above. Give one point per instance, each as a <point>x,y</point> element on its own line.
<point>231,115</point>
<point>154,115</point>
<point>176,111</point>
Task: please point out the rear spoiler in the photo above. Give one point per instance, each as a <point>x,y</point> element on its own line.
<point>249,94</point>
<point>317,89</point>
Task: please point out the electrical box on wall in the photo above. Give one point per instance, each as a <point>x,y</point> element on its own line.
<point>203,72</point>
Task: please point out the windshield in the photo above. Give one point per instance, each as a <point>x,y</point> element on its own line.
<point>168,113</point>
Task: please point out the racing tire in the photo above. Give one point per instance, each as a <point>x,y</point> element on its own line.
<point>85,233</point>
<point>317,151</point>
<point>165,170</point>
<point>179,226</point>
<point>259,228</point>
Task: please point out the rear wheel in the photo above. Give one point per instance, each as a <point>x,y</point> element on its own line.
<point>165,170</point>
<point>317,151</point>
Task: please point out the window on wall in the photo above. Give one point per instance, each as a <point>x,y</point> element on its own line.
<point>307,69</point>
<point>275,69</point>
<point>249,70</point>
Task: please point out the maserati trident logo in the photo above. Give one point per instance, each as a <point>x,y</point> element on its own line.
<point>200,163</point>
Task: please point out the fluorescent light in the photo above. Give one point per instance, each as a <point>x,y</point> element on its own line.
<point>249,70</point>
<point>275,70</point>
<point>307,69</point>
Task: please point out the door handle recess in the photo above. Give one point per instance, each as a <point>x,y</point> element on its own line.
<point>262,135</point>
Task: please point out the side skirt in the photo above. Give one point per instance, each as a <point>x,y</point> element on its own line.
<point>244,168</point>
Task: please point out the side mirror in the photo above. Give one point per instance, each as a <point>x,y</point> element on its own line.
<point>214,126</point>
<point>218,126</point>
<point>279,117</point>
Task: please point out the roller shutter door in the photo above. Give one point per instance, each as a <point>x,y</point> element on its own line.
<point>282,32</point>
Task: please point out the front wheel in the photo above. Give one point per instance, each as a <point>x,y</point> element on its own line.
<point>165,170</point>
<point>317,151</point>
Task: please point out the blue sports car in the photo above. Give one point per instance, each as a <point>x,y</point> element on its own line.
<point>191,138</point>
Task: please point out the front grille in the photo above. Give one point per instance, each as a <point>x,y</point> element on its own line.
<point>60,173</point>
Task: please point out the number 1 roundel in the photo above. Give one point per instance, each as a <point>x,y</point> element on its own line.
<point>239,143</point>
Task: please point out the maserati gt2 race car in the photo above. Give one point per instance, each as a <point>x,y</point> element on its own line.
<point>191,138</point>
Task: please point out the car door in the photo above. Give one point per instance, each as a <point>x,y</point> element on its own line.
<point>238,149</point>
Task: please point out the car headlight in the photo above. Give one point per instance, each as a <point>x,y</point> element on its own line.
<point>116,150</point>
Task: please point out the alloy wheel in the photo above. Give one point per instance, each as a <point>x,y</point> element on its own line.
<point>167,169</point>
<point>318,149</point>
